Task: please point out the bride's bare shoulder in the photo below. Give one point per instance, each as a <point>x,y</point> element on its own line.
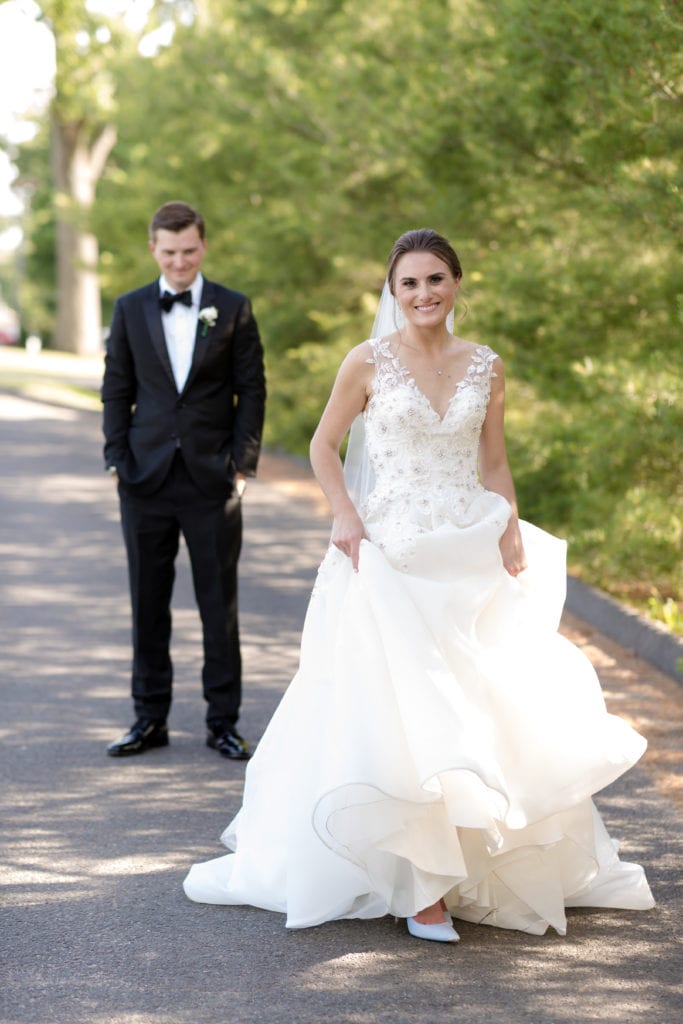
<point>470,347</point>
<point>358,363</point>
<point>360,355</point>
<point>362,358</point>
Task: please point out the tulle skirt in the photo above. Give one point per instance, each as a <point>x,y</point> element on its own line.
<point>440,739</point>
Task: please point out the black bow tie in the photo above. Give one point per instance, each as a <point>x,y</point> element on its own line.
<point>167,299</point>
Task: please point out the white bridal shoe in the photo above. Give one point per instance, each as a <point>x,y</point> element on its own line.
<point>436,932</point>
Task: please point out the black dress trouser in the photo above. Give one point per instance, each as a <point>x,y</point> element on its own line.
<point>212,529</point>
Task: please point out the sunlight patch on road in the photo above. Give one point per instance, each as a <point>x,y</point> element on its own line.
<point>17,409</point>
<point>343,972</point>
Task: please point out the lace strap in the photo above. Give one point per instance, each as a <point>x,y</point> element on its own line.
<point>388,369</point>
<point>480,370</point>
<point>490,357</point>
<point>373,358</point>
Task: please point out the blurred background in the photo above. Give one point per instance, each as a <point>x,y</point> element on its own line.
<point>543,137</point>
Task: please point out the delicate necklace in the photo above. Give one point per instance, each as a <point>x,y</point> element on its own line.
<point>432,369</point>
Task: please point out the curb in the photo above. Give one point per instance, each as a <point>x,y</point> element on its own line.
<point>648,640</point>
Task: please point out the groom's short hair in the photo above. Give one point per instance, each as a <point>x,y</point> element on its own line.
<point>176,216</point>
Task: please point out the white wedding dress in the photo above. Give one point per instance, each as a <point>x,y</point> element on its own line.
<point>440,737</point>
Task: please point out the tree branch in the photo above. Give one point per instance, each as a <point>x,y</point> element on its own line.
<point>100,150</point>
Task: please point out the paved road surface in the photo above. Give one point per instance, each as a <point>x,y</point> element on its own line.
<point>95,927</point>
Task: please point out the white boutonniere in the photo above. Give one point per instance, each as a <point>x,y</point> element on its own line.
<point>207,318</point>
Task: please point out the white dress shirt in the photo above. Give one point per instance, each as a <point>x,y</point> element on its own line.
<point>180,329</point>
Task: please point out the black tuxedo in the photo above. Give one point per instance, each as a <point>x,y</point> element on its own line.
<point>176,455</point>
<point>216,436</point>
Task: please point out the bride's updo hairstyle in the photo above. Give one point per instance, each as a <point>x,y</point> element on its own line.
<point>423,240</point>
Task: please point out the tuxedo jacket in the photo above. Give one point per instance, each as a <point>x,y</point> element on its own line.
<point>217,418</point>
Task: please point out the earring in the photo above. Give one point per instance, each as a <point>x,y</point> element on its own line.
<point>399,316</point>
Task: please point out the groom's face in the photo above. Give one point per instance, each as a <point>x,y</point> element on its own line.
<point>179,255</point>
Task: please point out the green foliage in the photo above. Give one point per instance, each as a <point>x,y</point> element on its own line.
<point>540,136</point>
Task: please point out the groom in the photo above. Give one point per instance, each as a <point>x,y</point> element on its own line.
<point>184,396</point>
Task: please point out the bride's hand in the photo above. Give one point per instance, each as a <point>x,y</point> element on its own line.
<point>347,533</point>
<point>512,549</point>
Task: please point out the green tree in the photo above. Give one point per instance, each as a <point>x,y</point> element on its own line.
<point>82,136</point>
<point>540,136</point>
<point>93,53</point>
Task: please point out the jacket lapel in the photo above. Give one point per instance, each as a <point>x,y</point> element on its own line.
<point>156,331</point>
<point>203,335</point>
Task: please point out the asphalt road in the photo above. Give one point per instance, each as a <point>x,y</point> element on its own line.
<point>95,928</point>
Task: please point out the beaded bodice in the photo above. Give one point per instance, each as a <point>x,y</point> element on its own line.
<point>425,465</point>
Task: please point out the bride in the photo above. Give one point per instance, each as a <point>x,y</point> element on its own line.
<point>436,753</point>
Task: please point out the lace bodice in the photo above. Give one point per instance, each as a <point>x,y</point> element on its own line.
<point>425,465</point>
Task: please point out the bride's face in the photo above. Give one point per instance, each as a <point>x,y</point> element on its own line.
<point>425,288</point>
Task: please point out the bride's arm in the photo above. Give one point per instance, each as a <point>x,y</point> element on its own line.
<point>495,472</point>
<point>348,398</point>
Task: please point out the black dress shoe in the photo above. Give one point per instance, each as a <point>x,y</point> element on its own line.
<point>228,743</point>
<point>140,737</point>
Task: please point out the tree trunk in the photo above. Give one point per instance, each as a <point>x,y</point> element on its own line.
<point>77,167</point>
